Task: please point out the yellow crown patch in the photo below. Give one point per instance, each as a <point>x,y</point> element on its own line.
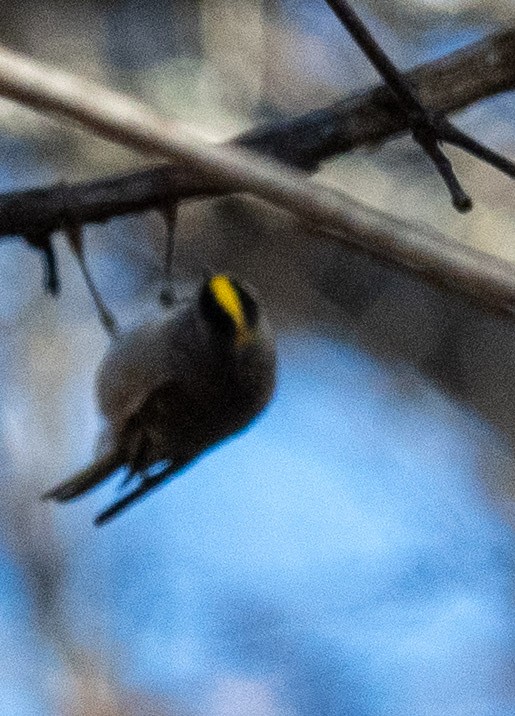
<point>229,300</point>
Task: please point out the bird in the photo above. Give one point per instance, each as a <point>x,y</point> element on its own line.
<point>172,388</point>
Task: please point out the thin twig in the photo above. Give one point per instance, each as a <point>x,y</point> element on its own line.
<point>397,83</point>
<point>114,116</point>
<point>106,318</point>
<point>51,273</point>
<point>41,239</point>
<point>429,129</point>
<point>169,212</point>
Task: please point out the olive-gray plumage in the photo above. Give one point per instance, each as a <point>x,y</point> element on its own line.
<point>170,389</point>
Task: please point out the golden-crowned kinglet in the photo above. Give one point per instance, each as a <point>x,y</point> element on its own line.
<point>170,389</point>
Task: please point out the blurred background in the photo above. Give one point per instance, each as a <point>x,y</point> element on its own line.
<point>352,553</point>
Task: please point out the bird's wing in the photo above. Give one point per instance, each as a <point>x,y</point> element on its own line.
<point>149,435</point>
<point>137,363</point>
<point>162,412</point>
<point>164,404</point>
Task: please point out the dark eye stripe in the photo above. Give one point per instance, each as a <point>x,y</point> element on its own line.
<point>249,305</point>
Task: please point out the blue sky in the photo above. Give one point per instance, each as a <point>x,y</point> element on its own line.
<point>341,550</point>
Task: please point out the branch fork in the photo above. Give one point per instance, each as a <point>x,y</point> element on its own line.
<point>429,129</point>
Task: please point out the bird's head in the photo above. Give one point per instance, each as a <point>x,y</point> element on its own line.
<point>230,310</point>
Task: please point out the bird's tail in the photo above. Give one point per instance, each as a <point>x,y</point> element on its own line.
<point>84,480</point>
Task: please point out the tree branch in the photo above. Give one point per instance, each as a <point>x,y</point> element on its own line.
<point>477,71</point>
<point>423,251</point>
<point>428,128</point>
<point>446,85</point>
